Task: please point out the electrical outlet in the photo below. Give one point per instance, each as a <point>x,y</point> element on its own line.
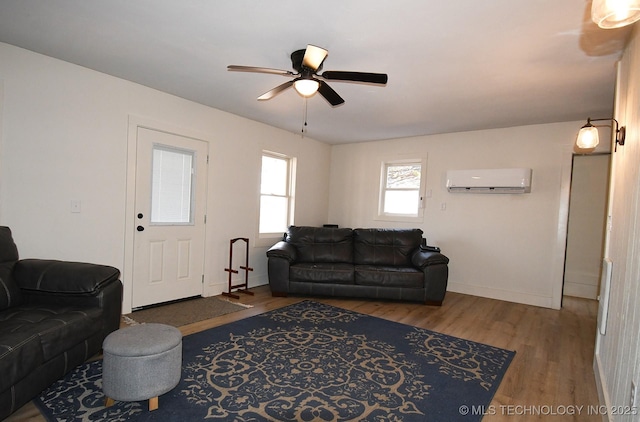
<point>632,399</point>
<point>76,206</point>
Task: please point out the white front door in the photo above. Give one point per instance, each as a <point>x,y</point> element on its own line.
<point>170,205</point>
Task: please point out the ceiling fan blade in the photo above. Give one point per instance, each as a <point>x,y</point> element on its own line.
<point>373,78</point>
<point>314,56</point>
<point>237,68</point>
<point>275,91</point>
<point>329,94</point>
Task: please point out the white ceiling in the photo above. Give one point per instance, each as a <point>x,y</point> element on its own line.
<point>454,65</point>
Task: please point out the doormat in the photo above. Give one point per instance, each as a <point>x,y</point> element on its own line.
<point>185,312</point>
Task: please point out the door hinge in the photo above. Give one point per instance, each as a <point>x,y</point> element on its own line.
<point>202,278</point>
<point>205,219</point>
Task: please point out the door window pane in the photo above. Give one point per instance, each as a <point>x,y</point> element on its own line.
<point>172,186</point>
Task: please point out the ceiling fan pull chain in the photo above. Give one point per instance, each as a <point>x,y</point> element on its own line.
<point>304,118</point>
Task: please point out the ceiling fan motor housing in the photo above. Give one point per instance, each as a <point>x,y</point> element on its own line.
<point>296,62</point>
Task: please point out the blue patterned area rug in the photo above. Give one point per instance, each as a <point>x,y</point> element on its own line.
<point>305,362</point>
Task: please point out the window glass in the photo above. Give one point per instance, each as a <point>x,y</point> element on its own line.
<point>275,195</point>
<point>273,214</point>
<point>171,186</point>
<point>401,202</point>
<point>274,176</point>
<point>400,193</point>
<point>404,176</point>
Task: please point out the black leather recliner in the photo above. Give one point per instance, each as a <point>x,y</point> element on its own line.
<point>54,315</point>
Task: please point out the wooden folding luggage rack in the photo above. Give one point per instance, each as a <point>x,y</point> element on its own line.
<point>241,288</point>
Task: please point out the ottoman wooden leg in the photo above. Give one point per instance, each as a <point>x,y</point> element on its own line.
<point>109,402</point>
<point>153,403</point>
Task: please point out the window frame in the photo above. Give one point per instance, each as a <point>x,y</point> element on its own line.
<point>266,238</point>
<point>386,216</point>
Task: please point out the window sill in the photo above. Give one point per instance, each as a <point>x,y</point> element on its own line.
<point>267,240</point>
<point>400,218</point>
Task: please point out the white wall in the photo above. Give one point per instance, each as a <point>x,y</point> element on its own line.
<point>64,138</point>
<point>508,247</point>
<point>617,359</point>
<point>587,220</point>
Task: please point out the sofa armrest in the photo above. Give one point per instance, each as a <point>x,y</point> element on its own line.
<point>62,277</point>
<point>283,250</point>
<point>423,258</point>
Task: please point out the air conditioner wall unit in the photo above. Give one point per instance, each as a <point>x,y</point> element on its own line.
<point>509,180</point>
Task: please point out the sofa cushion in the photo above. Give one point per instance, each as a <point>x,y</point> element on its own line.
<point>31,335</point>
<point>8,248</point>
<point>385,246</point>
<point>388,276</point>
<point>321,244</point>
<point>9,292</point>
<point>338,273</point>
<point>20,353</point>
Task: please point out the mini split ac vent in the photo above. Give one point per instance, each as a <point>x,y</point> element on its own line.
<point>511,180</point>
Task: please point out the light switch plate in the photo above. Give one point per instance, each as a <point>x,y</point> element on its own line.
<point>76,206</point>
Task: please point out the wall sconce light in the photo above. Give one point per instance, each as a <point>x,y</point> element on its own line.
<point>609,14</point>
<point>588,139</point>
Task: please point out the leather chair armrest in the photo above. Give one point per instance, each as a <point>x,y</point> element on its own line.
<point>423,258</point>
<point>63,277</point>
<point>429,248</point>
<point>283,250</point>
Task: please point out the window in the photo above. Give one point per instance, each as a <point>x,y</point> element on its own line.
<point>400,190</point>
<point>276,192</point>
<point>172,186</point>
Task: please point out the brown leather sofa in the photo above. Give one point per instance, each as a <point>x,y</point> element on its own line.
<point>54,315</point>
<point>371,263</point>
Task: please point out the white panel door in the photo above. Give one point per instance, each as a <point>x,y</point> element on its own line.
<point>170,205</point>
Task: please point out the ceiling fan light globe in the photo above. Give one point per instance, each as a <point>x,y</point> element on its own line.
<point>306,87</point>
<point>609,14</point>
<point>588,137</point>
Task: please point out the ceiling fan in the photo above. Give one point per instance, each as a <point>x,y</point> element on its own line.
<point>308,63</point>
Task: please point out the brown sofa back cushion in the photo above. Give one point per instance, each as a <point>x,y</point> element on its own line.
<point>321,244</point>
<point>9,292</point>
<point>385,246</point>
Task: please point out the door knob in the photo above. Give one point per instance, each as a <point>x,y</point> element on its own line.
<point>140,228</point>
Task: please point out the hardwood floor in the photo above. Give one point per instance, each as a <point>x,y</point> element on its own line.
<point>551,375</point>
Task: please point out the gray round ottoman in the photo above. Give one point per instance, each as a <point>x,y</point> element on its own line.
<point>141,362</point>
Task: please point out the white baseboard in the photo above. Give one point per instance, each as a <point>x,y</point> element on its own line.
<point>506,295</point>
<point>601,386</point>
<point>586,291</point>
<point>219,287</point>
